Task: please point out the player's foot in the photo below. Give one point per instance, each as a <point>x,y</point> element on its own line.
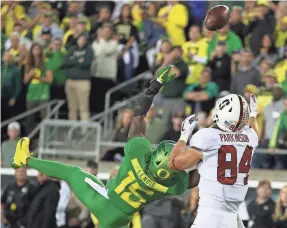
<point>21,154</point>
<point>165,74</point>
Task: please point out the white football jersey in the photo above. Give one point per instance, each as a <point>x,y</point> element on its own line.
<point>225,166</point>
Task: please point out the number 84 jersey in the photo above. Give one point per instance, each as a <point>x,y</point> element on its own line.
<point>224,169</point>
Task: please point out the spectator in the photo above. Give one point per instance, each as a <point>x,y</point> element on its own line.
<point>271,115</point>
<point>77,64</point>
<point>22,32</point>
<point>201,96</point>
<point>45,40</point>
<point>281,68</point>
<point>261,23</point>
<point>47,23</point>
<point>163,54</point>
<point>9,146</point>
<point>172,92</point>
<point>173,133</point>
<point>42,210</point>
<point>220,64</point>
<point>279,138</point>
<point>54,63</point>
<point>246,73</point>
<point>262,209</point>
<point>127,36</point>
<point>153,32</point>
<point>69,37</point>
<point>236,22</point>
<point>92,167</point>
<point>10,86</point>
<point>64,198</point>
<point>264,67</point>
<point>284,85</point>
<point>106,50</point>
<point>10,12</point>
<point>174,18</point>
<point>280,215</point>
<point>120,135</point>
<point>194,54</point>
<point>162,213</point>
<point>14,49</point>
<point>267,51</point>
<point>281,32</point>
<point>15,200</point>
<point>38,78</point>
<point>154,126</point>
<point>74,10</point>
<point>233,42</point>
<point>104,17</point>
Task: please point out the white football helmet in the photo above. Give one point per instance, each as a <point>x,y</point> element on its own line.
<point>231,113</point>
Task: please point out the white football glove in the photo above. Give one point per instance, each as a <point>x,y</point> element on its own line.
<point>187,127</point>
<point>253,106</point>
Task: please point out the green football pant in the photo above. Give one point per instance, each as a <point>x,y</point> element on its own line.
<point>89,190</point>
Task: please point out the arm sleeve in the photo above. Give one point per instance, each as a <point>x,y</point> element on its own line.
<point>198,140</point>
<point>50,208</point>
<point>212,90</point>
<point>180,17</point>
<point>4,196</point>
<point>190,88</point>
<point>68,60</point>
<point>87,59</point>
<point>137,146</point>
<point>277,129</point>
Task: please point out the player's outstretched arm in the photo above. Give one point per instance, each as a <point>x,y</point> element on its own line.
<point>253,113</point>
<point>181,159</point>
<point>138,125</point>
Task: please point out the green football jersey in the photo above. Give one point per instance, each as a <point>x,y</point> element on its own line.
<point>134,186</point>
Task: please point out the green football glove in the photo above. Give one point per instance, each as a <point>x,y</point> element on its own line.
<point>165,74</point>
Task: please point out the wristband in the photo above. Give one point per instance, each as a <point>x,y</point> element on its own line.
<point>184,138</point>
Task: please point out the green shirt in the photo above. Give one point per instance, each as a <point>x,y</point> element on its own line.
<point>54,63</point>
<point>211,88</point>
<point>38,91</point>
<point>233,43</point>
<point>279,129</point>
<point>11,81</point>
<point>8,150</point>
<point>134,186</point>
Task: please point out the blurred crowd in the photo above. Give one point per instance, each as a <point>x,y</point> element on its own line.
<point>78,50</point>
<point>48,203</point>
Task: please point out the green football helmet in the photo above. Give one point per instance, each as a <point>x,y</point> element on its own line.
<point>158,164</point>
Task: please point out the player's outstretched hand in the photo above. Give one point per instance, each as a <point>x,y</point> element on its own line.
<point>253,106</point>
<point>187,127</point>
<point>165,74</point>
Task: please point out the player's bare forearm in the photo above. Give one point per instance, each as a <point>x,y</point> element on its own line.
<point>178,149</point>
<point>253,124</point>
<point>184,159</point>
<point>137,128</point>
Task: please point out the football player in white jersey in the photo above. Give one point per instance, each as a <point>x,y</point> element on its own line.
<point>222,155</point>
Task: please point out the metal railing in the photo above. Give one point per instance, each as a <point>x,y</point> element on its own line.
<point>23,115</point>
<point>56,138</point>
<point>54,111</point>
<point>145,75</point>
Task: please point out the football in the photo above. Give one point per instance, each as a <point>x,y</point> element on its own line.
<point>217,17</point>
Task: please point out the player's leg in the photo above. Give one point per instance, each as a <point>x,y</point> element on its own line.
<point>74,176</point>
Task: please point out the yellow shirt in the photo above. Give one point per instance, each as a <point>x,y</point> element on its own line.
<point>137,15</point>
<point>280,69</point>
<point>175,23</point>
<point>18,11</point>
<point>198,49</point>
<point>66,20</point>
<point>281,37</point>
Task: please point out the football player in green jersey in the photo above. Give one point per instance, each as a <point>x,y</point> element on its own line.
<point>143,176</point>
